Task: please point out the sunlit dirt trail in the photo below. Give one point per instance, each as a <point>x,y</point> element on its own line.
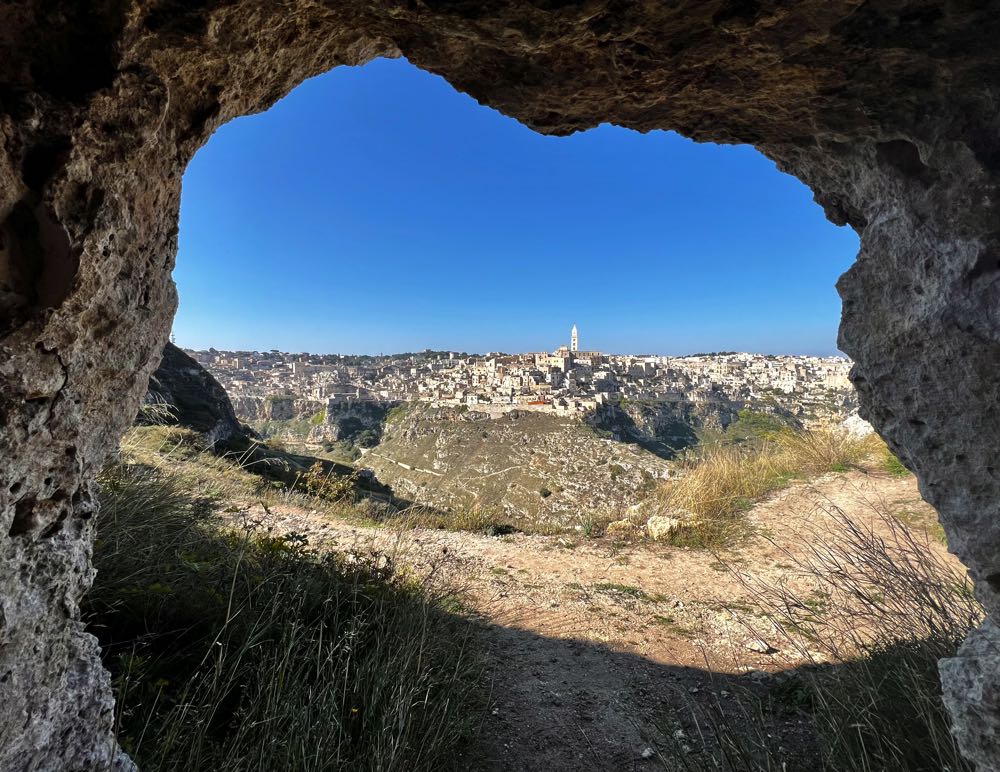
<point>595,649</point>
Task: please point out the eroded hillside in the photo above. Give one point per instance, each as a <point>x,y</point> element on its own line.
<point>527,465</point>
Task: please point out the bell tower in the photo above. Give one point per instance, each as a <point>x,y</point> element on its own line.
<point>574,340</point>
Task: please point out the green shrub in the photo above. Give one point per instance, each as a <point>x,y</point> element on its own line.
<point>327,484</point>
<point>756,425</point>
<point>235,650</point>
<point>396,413</point>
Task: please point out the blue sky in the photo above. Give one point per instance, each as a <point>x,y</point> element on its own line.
<point>376,209</point>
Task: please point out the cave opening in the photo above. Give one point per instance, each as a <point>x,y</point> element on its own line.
<point>885,110</point>
<point>375,210</point>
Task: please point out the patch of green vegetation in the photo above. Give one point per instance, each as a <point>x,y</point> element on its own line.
<point>928,523</point>
<point>213,634</point>
<point>817,602</point>
<point>593,525</point>
<point>319,418</point>
<point>604,434</point>
<point>346,452</point>
<point>671,625</point>
<point>295,430</point>
<point>757,425</point>
<point>544,492</point>
<point>397,413</point>
<point>614,588</point>
<point>892,465</point>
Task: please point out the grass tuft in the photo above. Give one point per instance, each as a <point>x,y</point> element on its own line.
<point>883,607</point>
<point>720,482</point>
<point>237,650</point>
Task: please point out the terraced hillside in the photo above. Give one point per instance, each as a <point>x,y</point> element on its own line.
<point>527,465</point>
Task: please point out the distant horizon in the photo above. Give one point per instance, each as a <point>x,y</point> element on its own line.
<point>508,352</point>
<point>376,208</point>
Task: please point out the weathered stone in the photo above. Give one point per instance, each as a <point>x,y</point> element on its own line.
<point>887,109</point>
<point>194,398</point>
<point>661,527</point>
<point>971,681</point>
<point>622,529</point>
<point>663,427</point>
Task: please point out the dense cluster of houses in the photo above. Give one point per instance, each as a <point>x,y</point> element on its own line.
<point>565,381</point>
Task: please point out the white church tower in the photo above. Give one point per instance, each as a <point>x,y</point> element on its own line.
<point>574,341</point>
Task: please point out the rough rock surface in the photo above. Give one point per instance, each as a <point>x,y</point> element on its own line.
<point>663,428</point>
<point>195,399</point>
<point>357,422</point>
<point>971,684</point>
<point>310,421</point>
<point>887,109</point>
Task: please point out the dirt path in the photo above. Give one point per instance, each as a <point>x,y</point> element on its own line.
<point>594,647</point>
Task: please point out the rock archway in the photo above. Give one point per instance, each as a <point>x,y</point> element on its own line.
<point>887,109</point>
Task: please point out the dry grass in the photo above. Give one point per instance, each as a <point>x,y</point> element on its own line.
<point>721,481</point>
<point>239,478</point>
<point>484,520</point>
<point>235,650</point>
<point>818,451</point>
<point>873,608</point>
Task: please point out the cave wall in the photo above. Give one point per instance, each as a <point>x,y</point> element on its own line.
<point>887,109</point>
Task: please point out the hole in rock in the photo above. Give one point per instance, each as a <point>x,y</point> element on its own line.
<point>37,266</point>
<point>491,331</point>
<point>24,517</point>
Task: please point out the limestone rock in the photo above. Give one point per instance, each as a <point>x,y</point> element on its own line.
<point>622,529</point>
<point>193,397</point>
<point>887,109</point>
<point>857,426</point>
<point>971,681</point>
<point>760,646</point>
<point>279,408</point>
<point>661,527</point>
<point>663,427</point>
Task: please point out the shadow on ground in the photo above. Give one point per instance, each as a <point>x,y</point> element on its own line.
<point>570,704</point>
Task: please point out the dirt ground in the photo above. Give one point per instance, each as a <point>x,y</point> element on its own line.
<point>597,649</point>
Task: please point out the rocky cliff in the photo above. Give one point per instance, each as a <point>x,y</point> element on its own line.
<point>661,427</point>
<point>311,423</point>
<point>360,423</point>
<point>181,391</point>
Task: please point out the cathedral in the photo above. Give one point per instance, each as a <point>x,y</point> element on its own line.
<point>565,356</point>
